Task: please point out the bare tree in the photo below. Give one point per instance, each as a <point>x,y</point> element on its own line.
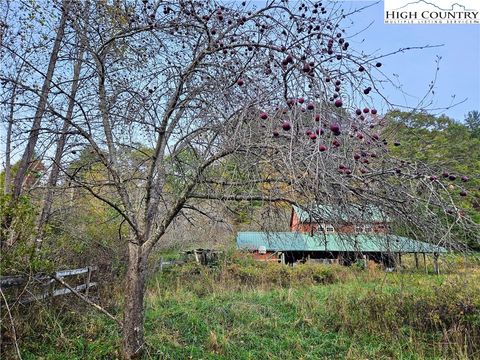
<point>10,98</point>
<point>42,103</point>
<point>8,141</point>
<point>229,102</point>
<point>62,138</point>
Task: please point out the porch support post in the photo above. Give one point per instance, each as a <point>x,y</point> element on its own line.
<point>435,264</point>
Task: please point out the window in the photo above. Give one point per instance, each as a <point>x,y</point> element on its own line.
<point>364,228</point>
<point>328,228</point>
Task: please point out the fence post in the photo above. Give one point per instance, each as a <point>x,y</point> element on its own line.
<point>161,263</point>
<point>425,263</point>
<point>51,287</point>
<point>87,282</point>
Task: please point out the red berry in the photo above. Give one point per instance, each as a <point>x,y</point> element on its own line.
<point>335,129</point>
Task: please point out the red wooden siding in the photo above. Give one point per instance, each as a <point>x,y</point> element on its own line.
<point>297,226</point>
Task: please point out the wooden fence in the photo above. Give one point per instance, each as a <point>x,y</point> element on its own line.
<point>40,287</point>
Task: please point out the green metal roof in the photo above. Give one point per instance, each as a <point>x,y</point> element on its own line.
<point>345,213</point>
<point>294,241</point>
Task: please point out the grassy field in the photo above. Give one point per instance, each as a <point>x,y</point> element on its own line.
<point>246,310</point>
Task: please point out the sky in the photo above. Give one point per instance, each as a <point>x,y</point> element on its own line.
<point>459,67</point>
<point>458,78</point>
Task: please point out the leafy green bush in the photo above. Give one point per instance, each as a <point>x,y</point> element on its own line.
<point>17,233</point>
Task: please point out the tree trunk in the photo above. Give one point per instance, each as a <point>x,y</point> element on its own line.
<point>54,173</point>
<point>8,142</point>
<point>42,103</point>
<point>133,339</point>
<point>6,219</point>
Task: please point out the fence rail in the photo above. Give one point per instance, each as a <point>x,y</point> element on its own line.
<point>49,282</point>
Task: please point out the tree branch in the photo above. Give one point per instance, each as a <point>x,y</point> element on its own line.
<point>87,300</point>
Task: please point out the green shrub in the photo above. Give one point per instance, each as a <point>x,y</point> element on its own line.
<point>19,253</point>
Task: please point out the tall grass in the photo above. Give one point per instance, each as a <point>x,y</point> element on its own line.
<point>442,316</point>
<point>422,315</point>
<point>241,309</point>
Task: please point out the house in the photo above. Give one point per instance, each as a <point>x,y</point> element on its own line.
<point>335,235</point>
<point>344,220</point>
